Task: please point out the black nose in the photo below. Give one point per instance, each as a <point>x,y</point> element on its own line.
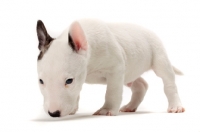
<point>54,114</point>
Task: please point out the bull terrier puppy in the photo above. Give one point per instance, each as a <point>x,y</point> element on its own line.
<point>96,52</point>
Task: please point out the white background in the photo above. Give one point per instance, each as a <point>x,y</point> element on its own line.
<point>176,22</point>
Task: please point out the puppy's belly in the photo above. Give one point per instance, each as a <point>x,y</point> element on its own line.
<point>131,73</point>
<point>131,76</point>
<point>135,71</point>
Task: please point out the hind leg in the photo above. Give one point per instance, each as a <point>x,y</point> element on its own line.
<point>138,88</point>
<point>163,69</point>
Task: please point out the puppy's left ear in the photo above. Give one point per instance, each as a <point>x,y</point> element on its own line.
<point>77,39</point>
<point>43,37</point>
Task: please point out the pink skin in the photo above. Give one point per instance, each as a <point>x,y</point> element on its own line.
<point>129,84</point>
<point>78,36</point>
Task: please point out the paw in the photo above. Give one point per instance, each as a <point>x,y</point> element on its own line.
<point>176,109</point>
<point>128,108</point>
<point>107,112</point>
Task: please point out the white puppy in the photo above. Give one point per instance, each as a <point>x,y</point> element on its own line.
<point>93,51</point>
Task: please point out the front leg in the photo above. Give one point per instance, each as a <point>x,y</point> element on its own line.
<point>113,95</point>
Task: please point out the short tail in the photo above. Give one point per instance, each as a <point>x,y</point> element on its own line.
<point>177,71</point>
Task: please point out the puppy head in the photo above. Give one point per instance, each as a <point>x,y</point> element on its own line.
<point>62,68</point>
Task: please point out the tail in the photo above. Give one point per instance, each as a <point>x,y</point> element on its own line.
<point>177,71</point>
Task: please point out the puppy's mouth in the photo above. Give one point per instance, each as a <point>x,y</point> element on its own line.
<point>67,113</point>
<point>58,114</point>
<point>61,112</point>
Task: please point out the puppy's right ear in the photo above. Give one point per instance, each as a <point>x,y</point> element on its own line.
<point>43,37</point>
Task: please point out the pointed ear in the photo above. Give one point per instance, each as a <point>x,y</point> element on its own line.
<point>77,39</point>
<point>43,37</point>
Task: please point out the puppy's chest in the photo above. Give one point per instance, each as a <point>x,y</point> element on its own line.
<point>97,77</point>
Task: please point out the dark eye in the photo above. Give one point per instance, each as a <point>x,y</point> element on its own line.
<point>41,82</point>
<point>69,81</point>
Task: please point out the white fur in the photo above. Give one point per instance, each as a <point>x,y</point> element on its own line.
<point>117,54</point>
